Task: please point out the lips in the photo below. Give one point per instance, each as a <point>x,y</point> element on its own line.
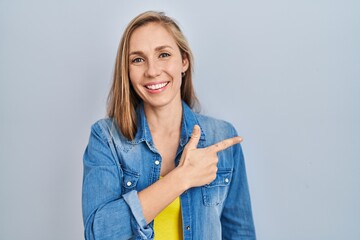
<point>156,86</point>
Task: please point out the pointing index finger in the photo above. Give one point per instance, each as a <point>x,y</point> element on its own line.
<point>222,145</point>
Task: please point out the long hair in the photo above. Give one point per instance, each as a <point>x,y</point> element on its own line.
<point>122,99</point>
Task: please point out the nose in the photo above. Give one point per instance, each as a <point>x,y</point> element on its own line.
<point>153,69</point>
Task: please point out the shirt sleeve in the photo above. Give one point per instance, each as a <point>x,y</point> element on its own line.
<point>237,220</point>
<point>107,212</point>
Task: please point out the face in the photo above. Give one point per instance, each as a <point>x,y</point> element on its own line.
<point>155,66</point>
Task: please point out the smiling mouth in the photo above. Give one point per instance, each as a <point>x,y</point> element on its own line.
<point>157,86</point>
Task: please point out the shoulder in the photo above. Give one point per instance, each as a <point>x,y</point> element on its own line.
<point>102,125</point>
<point>104,122</point>
<point>214,128</point>
<point>107,129</point>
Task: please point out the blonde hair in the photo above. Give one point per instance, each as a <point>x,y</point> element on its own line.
<point>122,99</point>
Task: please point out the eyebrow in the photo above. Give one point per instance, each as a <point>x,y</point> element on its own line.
<point>157,49</point>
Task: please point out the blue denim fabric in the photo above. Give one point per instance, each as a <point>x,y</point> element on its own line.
<point>115,169</point>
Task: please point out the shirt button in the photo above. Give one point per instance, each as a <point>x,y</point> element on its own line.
<point>128,183</point>
<point>157,162</point>
<point>226,180</point>
<point>187,227</point>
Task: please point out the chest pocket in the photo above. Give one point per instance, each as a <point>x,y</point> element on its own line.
<point>215,193</point>
<point>130,180</point>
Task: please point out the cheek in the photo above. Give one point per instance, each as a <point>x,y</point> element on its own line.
<point>133,79</point>
<point>134,76</point>
<point>136,87</point>
<point>176,68</point>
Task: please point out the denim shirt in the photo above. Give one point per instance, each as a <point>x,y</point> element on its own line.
<point>116,169</point>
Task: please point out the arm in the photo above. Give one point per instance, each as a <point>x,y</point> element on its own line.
<point>107,213</point>
<point>236,220</point>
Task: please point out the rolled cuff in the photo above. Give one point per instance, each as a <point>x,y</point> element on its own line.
<point>138,222</point>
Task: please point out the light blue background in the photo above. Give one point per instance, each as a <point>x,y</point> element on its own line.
<point>285,73</point>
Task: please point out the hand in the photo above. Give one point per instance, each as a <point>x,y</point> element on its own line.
<point>200,164</point>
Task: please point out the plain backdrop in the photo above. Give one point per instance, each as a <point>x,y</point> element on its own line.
<point>285,73</point>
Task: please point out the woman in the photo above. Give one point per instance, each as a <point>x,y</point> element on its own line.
<point>154,168</point>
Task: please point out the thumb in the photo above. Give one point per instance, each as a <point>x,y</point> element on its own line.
<point>194,139</point>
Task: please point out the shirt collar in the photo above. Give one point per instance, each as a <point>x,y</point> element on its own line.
<point>189,120</point>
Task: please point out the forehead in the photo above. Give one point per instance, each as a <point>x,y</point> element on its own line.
<point>150,36</point>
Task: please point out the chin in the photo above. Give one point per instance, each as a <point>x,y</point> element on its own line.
<point>162,102</point>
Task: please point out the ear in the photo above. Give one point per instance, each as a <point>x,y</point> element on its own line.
<point>185,63</point>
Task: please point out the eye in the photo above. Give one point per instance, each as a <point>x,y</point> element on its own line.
<point>164,55</point>
<point>137,60</point>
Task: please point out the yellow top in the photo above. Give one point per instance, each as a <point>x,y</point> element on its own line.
<point>168,223</point>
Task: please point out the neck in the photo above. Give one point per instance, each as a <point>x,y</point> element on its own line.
<point>165,119</point>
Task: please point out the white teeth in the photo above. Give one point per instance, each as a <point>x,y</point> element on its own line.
<point>156,86</point>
